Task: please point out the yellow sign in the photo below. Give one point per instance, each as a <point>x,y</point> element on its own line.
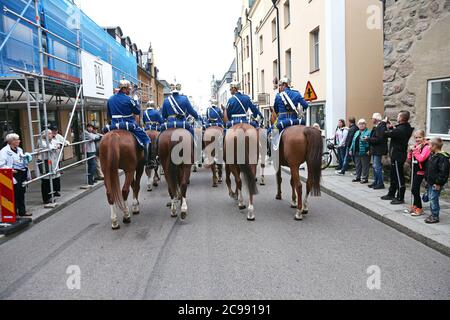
<point>310,94</point>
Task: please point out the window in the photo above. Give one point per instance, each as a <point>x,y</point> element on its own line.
<point>315,52</point>
<point>262,82</point>
<point>261,44</point>
<point>287,14</point>
<point>247,47</point>
<point>274,29</point>
<point>275,69</point>
<point>317,115</point>
<point>289,64</point>
<point>248,83</point>
<point>22,39</point>
<point>439,108</point>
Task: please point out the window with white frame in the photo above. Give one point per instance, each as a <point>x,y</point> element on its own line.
<point>288,60</point>
<point>274,29</point>
<point>261,44</point>
<point>262,82</point>
<point>287,14</point>
<point>439,108</point>
<point>314,50</point>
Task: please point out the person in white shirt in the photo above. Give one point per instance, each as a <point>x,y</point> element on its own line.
<point>340,139</point>
<point>13,157</point>
<point>91,150</point>
<point>48,164</point>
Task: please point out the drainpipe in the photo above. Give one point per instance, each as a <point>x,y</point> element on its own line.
<point>242,56</point>
<point>278,38</point>
<point>251,53</point>
<point>384,15</point>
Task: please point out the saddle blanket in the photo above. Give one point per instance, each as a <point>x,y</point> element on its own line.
<point>239,121</point>
<point>131,127</point>
<point>177,125</point>
<point>152,127</point>
<point>286,123</point>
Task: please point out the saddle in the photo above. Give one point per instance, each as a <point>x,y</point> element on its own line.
<point>130,127</point>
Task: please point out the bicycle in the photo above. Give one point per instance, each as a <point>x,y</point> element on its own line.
<point>327,156</point>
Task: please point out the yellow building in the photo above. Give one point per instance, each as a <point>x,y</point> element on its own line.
<point>335,44</point>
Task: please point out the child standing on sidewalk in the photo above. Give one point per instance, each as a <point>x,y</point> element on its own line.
<point>436,177</point>
<point>419,154</point>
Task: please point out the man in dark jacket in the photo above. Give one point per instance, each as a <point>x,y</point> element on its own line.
<point>378,149</point>
<point>398,152</point>
<point>436,176</point>
<point>353,128</point>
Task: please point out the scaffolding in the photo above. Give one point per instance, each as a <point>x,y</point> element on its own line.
<point>35,86</point>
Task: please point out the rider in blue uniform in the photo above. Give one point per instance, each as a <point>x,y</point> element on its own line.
<point>152,117</point>
<point>286,105</point>
<point>238,106</point>
<point>124,113</point>
<point>214,116</point>
<point>176,109</point>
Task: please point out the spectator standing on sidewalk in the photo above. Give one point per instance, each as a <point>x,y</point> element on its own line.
<point>378,149</point>
<point>418,155</point>
<point>398,150</point>
<point>353,128</point>
<point>360,150</point>
<point>99,172</point>
<point>436,176</point>
<point>48,165</point>
<point>340,139</point>
<point>12,157</point>
<point>90,135</point>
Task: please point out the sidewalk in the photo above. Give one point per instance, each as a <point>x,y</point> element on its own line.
<point>436,236</point>
<point>71,182</point>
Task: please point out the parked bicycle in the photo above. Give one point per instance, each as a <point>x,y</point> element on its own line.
<point>327,156</point>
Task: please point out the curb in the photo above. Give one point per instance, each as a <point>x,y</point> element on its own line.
<point>429,242</point>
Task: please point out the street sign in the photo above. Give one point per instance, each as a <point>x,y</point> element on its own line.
<point>310,94</point>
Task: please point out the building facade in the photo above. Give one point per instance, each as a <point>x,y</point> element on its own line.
<point>417,63</point>
<point>326,42</point>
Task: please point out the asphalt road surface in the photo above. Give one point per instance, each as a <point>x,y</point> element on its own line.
<point>217,254</point>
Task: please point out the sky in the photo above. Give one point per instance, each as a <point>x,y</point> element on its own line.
<point>191,39</point>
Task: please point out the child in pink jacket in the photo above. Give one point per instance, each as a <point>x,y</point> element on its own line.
<point>419,154</point>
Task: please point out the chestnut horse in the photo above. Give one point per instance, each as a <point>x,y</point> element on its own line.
<point>153,135</point>
<point>300,144</point>
<point>119,150</point>
<point>241,153</point>
<point>177,171</point>
<point>212,141</point>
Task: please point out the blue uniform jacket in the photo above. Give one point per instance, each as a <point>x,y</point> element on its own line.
<point>152,116</point>
<point>122,108</point>
<point>214,115</point>
<point>235,110</point>
<point>181,109</point>
<point>285,111</point>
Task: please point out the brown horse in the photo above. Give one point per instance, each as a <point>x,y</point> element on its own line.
<point>153,135</point>
<point>212,141</point>
<point>177,165</point>
<point>119,150</point>
<point>241,153</point>
<point>300,144</point>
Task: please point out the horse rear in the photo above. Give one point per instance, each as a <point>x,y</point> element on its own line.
<point>152,173</point>
<point>177,165</point>
<point>241,154</point>
<point>212,142</point>
<point>118,150</point>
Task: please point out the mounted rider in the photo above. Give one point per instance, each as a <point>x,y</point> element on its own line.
<point>152,117</point>
<point>124,113</point>
<point>175,110</point>
<point>214,116</point>
<point>287,106</point>
<point>238,106</point>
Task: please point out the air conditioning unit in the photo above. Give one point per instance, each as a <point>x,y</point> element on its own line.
<point>263,99</point>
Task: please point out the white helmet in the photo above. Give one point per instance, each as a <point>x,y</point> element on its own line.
<point>151,104</point>
<point>285,80</point>
<point>124,84</point>
<point>236,85</point>
<point>213,101</point>
<point>175,87</point>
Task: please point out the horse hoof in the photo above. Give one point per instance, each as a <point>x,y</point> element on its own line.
<point>127,220</point>
<point>174,215</point>
<point>305,212</point>
<point>183,216</point>
<point>149,189</point>
<point>262,184</point>
<point>214,185</point>
<point>298,217</point>
<point>169,204</point>
<point>278,197</point>
<point>293,206</point>
<point>251,219</point>
<point>116,227</point>
<point>242,207</point>
<point>155,184</point>
<point>136,213</point>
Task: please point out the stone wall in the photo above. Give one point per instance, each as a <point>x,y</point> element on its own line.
<point>416,49</point>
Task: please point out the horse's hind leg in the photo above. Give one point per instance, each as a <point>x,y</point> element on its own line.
<point>125,192</point>
<point>115,223</point>
<point>251,208</point>
<point>156,177</point>
<point>136,189</point>
<point>220,173</point>
<point>298,185</point>
<point>263,177</point>
<point>185,173</point>
<point>279,180</point>
<point>237,176</point>
<point>149,172</point>
<point>214,172</point>
<point>294,193</point>
<point>308,191</point>
<point>228,181</point>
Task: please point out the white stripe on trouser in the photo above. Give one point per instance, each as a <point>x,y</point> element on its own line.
<point>398,178</point>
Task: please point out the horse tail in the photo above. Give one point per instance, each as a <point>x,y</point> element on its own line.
<point>249,178</point>
<point>113,181</point>
<point>314,158</point>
